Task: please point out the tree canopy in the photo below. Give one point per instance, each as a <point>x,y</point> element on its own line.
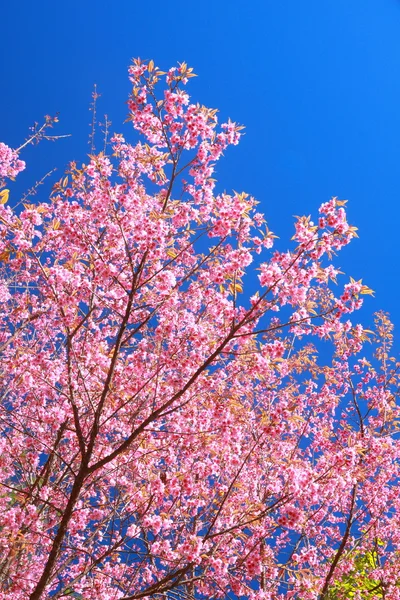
<point>163,434</point>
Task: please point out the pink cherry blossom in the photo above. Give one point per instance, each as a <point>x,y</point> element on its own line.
<point>10,163</point>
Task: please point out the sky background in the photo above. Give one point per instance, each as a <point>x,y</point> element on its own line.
<point>316,83</point>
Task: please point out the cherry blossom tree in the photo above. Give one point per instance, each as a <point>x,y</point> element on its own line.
<point>161,437</point>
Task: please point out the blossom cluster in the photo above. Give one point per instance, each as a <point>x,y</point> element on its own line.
<point>10,163</point>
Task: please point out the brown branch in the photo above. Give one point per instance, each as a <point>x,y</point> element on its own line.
<point>342,546</point>
<point>53,554</point>
<point>163,584</point>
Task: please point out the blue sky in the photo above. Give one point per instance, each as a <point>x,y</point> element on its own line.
<point>316,83</point>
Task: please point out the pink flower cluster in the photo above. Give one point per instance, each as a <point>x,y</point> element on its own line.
<point>10,164</point>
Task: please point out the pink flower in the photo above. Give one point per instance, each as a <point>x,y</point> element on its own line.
<point>10,164</point>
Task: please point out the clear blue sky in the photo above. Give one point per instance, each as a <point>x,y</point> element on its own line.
<point>317,84</point>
